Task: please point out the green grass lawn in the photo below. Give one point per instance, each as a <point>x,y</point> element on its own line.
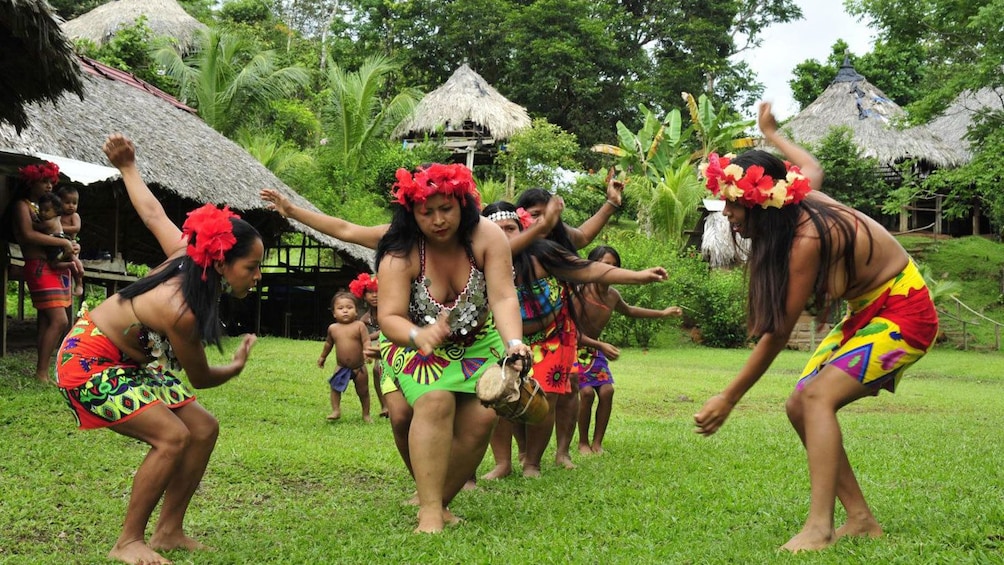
<point>285,486</point>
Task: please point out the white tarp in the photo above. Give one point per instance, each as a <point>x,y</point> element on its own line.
<point>80,172</point>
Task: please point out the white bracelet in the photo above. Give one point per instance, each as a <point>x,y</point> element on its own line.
<point>513,343</point>
<point>412,335</point>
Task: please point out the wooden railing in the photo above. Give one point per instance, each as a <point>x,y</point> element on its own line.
<point>961,310</point>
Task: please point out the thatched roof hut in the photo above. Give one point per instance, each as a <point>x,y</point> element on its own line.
<point>471,114</point>
<point>184,160</point>
<point>850,100</point>
<point>954,122</point>
<point>36,61</point>
<point>164,18</point>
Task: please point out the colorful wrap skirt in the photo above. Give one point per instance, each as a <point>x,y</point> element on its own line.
<point>594,370</point>
<point>554,351</point>
<point>884,332</point>
<point>104,387</point>
<point>452,366</point>
<point>49,288</point>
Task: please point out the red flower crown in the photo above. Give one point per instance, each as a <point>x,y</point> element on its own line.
<point>214,234</point>
<point>362,284</point>
<point>451,180</point>
<point>751,187</point>
<point>47,171</point>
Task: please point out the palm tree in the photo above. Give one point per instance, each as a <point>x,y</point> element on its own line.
<point>278,156</point>
<point>357,119</point>
<point>226,79</point>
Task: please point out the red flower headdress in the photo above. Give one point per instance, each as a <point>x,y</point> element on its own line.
<point>47,171</point>
<point>451,180</point>
<point>752,187</point>
<point>214,234</point>
<point>362,284</point>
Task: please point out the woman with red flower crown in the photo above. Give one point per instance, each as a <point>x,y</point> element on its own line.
<point>49,287</point>
<point>108,368</point>
<point>806,248</point>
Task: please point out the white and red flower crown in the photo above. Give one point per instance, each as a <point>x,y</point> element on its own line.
<point>752,187</point>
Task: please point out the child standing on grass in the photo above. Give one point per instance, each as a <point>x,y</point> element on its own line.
<point>49,209</point>
<point>364,288</point>
<point>350,338</point>
<point>595,305</point>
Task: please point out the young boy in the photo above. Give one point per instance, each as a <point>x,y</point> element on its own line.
<point>69,219</point>
<point>49,209</point>
<point>350,338</point>
<point>594,306</point>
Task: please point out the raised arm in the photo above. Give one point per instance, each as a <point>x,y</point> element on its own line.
<point>793,152</point>
<point>587,232</point>
<point>122,155</point>
<point>367,236</point>
<point>540,228</point>
<point>608,274</point>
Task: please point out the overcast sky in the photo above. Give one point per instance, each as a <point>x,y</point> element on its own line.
<point>786,45</point>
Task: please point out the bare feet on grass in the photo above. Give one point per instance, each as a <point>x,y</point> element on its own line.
<point>810,539</point>
<point>367,419</point>
<point>564,460</point>
<point>598,450</point>
<point>471,484</point>
<point>43,378</point>
<point>137,553</point>
<point>863,528</point>
<point>168,542</point>
<point>531,471</point>
<point>413,501</point>
<point>584,449</point>
<point>499,472</point>
<point>334,416</point>
<point>384,413</point>
<point>431,522</point>
<point>451,519</point>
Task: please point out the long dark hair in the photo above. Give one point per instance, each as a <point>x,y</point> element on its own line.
<point>772,233</point>
<point>559,233</point>
<point>549,254</point>
<point>600,250</point>
<point>201,296</point>
<point>403,233</point>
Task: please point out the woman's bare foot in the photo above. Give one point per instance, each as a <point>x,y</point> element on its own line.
<point>810,539</point>
<point>450,519</point>
<point>334,416</point>
<point>430,522</point>
<point>179,541</point>
<point>471,484</point>
<point>384,412</point>
<point>500,471</point>
<point>866,528</point>
<point>413,501</point>
<point>584,449</point>
<point>136,552</point>
<point>43,378</point>
<point>564,460</point>
<point>598,450</point>
<point>367,419</point>
<point>531,471</point>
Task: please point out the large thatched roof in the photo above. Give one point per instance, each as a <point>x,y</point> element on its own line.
<point>954,122</point>
<point>466,97</point>
<point>36,61</point>
<point>177,151</point>
<point>850,100</point>
<point>164,18</point>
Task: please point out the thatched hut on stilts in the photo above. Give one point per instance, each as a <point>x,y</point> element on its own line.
<point>165,18</point>
<point>186,163</point>
<point>471,116</point>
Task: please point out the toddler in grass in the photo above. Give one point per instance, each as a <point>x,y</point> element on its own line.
<point>350,338</point>
<point>595,304</point>
<point>50,210</point>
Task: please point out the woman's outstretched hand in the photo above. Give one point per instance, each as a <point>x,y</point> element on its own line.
<point>244,349</point>
<point>120,151</point>
<point>276,201</point>
<point>712,415</point>
<point>766,120</point>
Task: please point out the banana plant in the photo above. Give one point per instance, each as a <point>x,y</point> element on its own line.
<point>714,132</point>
